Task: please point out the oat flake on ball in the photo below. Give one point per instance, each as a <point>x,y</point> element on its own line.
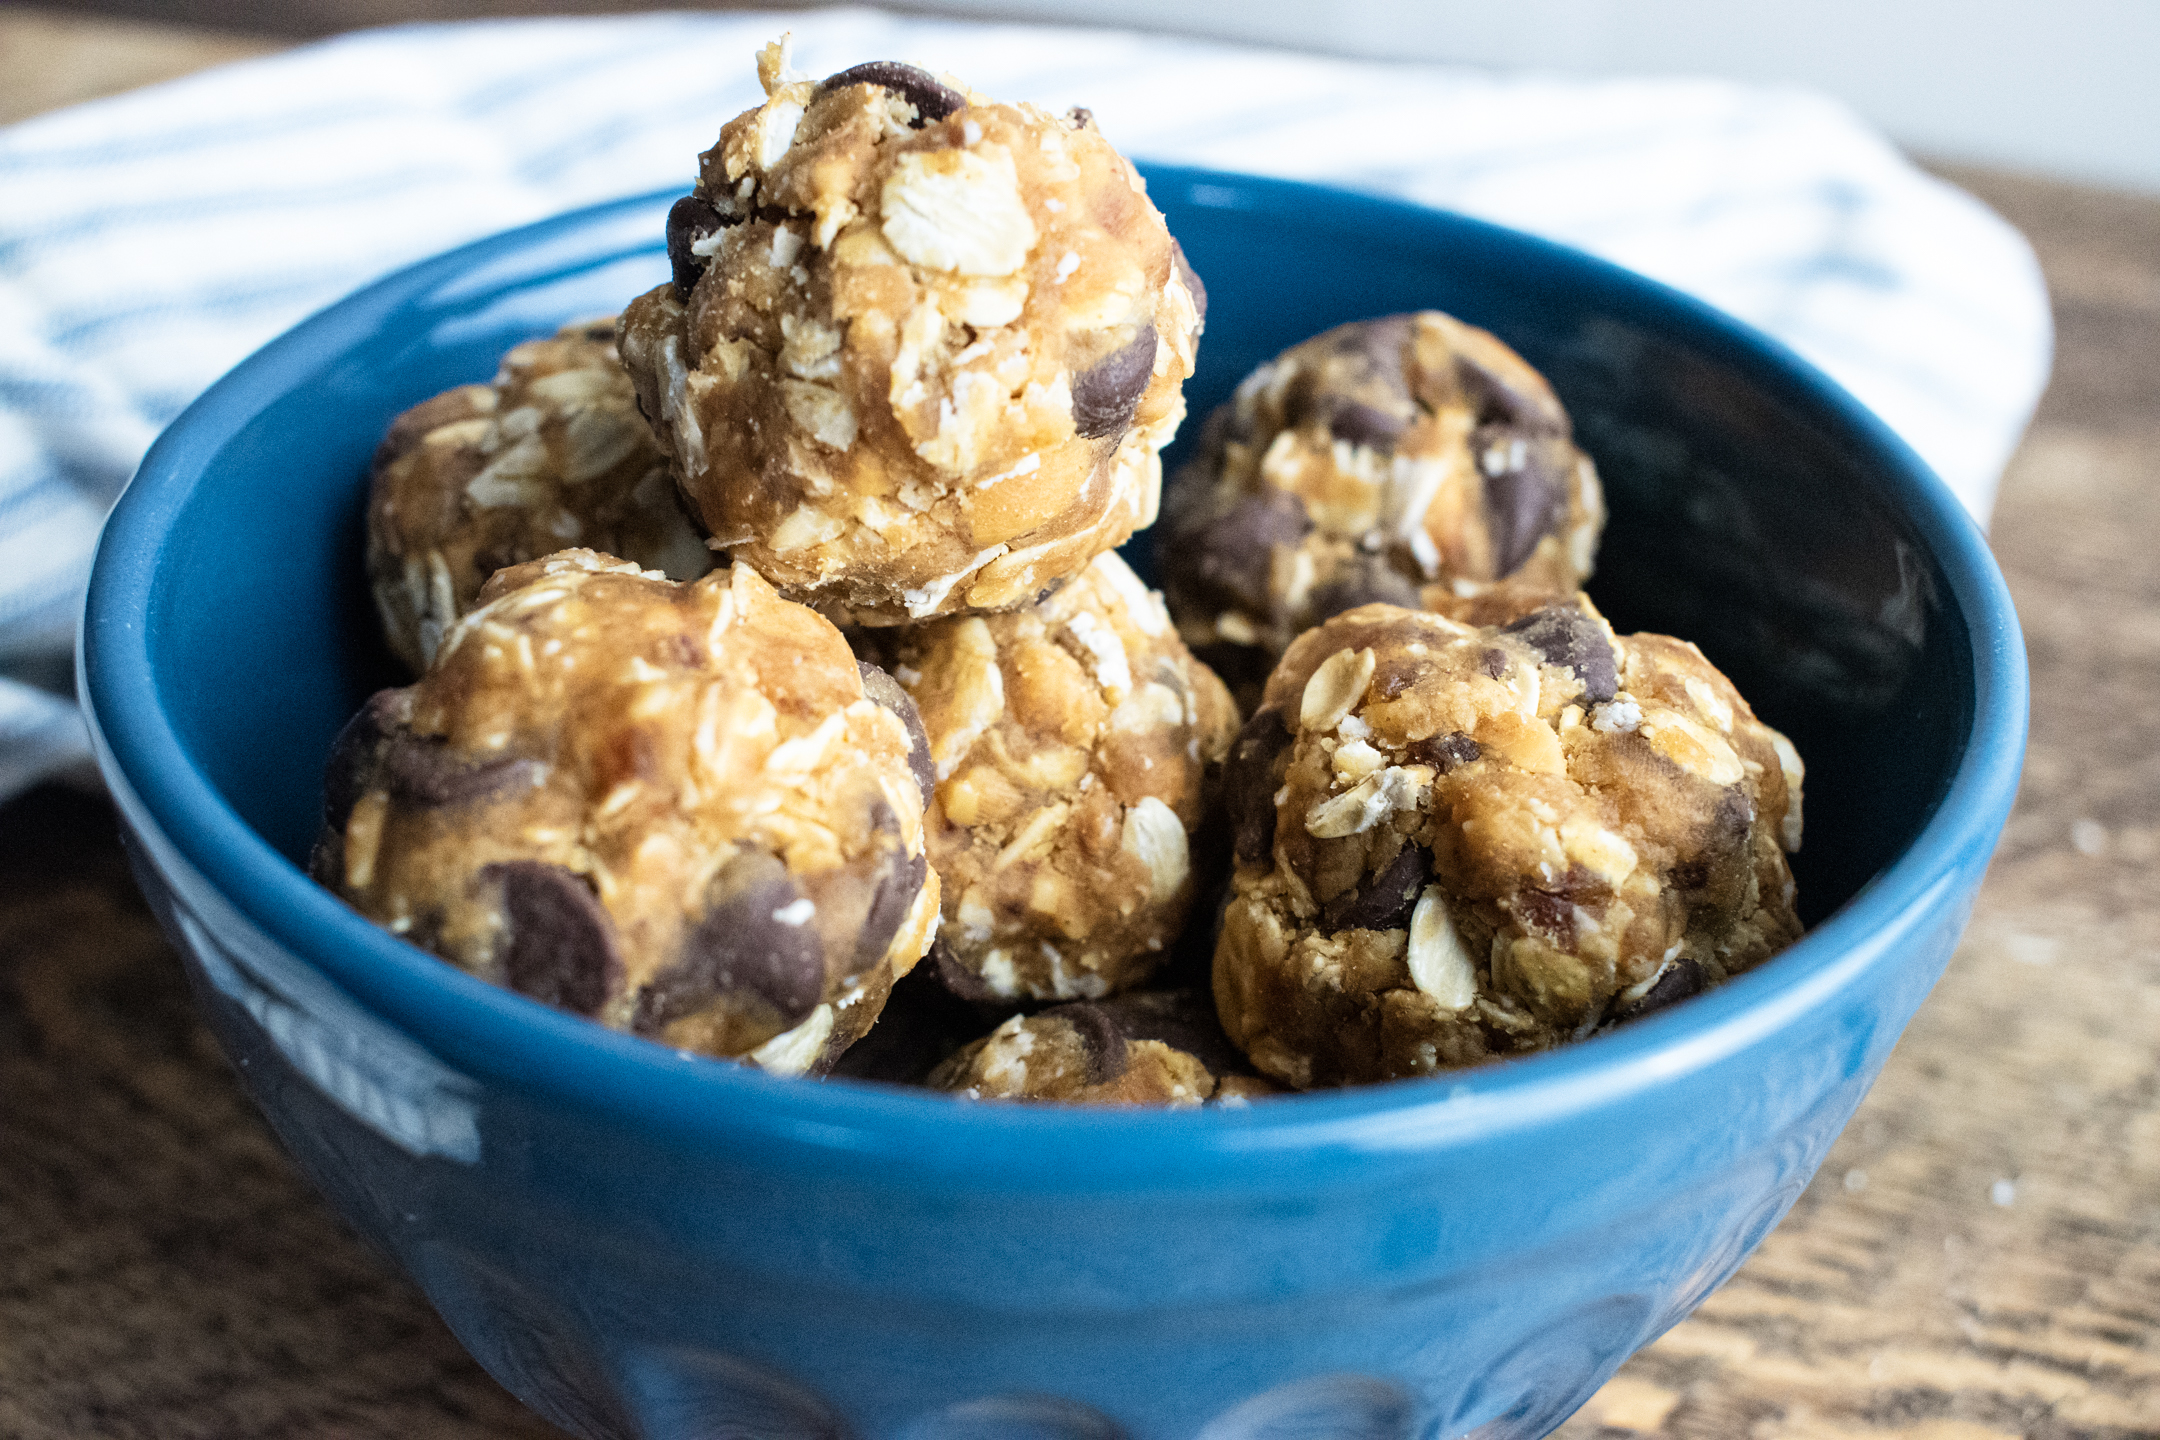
<point>921,349</point>
<point>683,810</point>
<point>1459,842</point>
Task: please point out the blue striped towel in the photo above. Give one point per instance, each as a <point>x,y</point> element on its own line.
<point>150,241</point>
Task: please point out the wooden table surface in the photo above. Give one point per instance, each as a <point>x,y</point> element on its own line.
<point>1979,1258</point>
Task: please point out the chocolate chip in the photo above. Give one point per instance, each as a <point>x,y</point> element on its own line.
<point>1231,547</point>
<point>960,980</point>
<point>1494,663</point>
<point>1499,398</point>
<point>1363,424</point>
<point>1550,915</point>
<point>561,946</point>
<point>1364,580</point>
<point>883,690</point>
<point>897,879</point>
<point>1183,1020</point>
<point>690,220</point>
<point>1380,343</point>
<point>1250,783</point>
<point>1683,979</point>
<point>1445,752</point>
<point>422,770</point>
<point>932,99</point>
<point>745,946</point>
<point>1191,277</point>
<point>1081,118</point>
<point>1563,635</point>
<point>1099,1036</point>
<point>1527,499</point>
<point>1384,901</point>
<point>1105,394</point>
<point>356,751</point>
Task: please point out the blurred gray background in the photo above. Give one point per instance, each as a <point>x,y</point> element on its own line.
<point>2060,88</point>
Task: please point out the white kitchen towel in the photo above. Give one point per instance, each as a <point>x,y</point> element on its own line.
<point>150,241</point>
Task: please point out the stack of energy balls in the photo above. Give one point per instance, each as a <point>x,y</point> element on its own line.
<point>781,696</point>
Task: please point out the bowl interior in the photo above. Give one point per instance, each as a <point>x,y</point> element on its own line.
<point>1749,513</point>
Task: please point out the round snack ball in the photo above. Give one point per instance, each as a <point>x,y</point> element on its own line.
<point>1457,842</point>
<point>1158,1047</point>
<point>680,809</point>
<point>921,350</point>
<point>552,454</point>
<point>1360,465</point>
<point>1070,743</point>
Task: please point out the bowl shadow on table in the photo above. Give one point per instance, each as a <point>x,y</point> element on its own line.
<point>1373,1283</point>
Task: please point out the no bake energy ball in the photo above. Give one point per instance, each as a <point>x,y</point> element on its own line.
<point>553,454</point>
<point>1071,743</point>
<point>1146,1048</point>
<point>1459,842</point>
<point>921,349</point>
<point>684,810</point>
<point>1361,465</point>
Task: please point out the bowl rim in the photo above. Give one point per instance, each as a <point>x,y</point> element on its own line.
<point>902,1135</point>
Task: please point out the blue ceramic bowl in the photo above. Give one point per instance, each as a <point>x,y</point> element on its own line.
<point>643,1245</point>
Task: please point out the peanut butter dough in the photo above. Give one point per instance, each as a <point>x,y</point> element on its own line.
<point>1459,842</point>
<point>921,349</point>
<point>1360,466</point>
<point>552,454</point>
<point>1071,742</point>
<point>683,810</point>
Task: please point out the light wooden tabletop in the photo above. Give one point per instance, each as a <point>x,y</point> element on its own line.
<point>1979,1258</point>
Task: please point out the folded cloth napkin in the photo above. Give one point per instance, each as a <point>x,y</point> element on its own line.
<point>150,241</point>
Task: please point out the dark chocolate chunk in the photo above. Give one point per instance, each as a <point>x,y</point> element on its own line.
<point>752,941</point>
<point>1230,548</point>
<point>422,770</point>
<point>1365,580</point>
<point>1250,782</point>
<point>884,690</point>
<point>1547,914</point>
<point>1497,398</point>
<point>1182,1019</point>
<point>1191,277</point>
<point>1363,424</point>
<point>898,878</point>
<point>1563,635</point>
<point>960,980</point>
<point>355,752</point>
<point>1081,118</point>
<point>1445,752</point>
<point>1526,501</point>
<point>1099,1036</point>
<point>1105,394</point>
<point>1384,901</point>
<point>690,220</point>
<point>932,99</point>
<point>560,946</point>
<point>1493,662</point>
<point>1682,979</point>
<point>1380,343</point>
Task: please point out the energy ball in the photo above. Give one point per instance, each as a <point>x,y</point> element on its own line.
<point>683,810</point>
<point>1459,842</point>
<point>1145,1048</point>
<point>1071,743</point>
<point>552,454</point>
<point>1362,465</point>
<point>921,349</point>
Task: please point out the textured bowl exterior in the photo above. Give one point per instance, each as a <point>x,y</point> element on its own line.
<point>641,1244</point>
